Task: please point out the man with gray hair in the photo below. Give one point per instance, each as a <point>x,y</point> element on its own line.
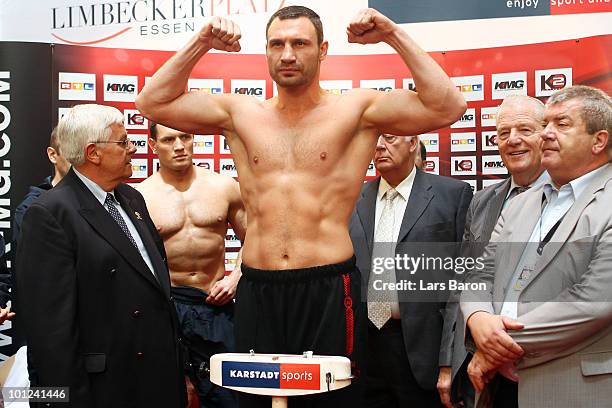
<point>94,290</point>
<point>546,322</point>
<point>408,360</point>
<point>519,127</point>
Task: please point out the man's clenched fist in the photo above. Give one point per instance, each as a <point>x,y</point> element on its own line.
<point>369,27</point>
<point>221,34</point>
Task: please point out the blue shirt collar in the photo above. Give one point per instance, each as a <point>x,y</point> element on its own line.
<point>95,189</point>
<point>577,186</point>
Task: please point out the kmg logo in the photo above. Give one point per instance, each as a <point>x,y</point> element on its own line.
<point>129,88</point>
<point>510,85</point>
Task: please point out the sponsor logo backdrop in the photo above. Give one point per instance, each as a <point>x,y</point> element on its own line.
<point>484,77</point>
<point>114,76</point>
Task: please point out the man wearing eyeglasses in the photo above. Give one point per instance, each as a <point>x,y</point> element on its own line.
<point>94,290</point>
<point>191,208</point>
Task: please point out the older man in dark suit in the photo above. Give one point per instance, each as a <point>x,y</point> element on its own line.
<point>405,356</point>
<point>94,291</point>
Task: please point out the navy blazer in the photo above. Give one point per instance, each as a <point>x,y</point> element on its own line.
<point>95,318</point>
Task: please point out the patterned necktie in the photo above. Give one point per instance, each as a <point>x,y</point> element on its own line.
<point>110,203</point>
<point>518,190</point>
<point>379,306</point>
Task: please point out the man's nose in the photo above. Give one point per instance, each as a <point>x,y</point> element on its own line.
<point>288,54</point>
<point>548,133</point>
<point>515,137</point>
<point>178,144</point>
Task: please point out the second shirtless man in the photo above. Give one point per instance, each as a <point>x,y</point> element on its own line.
<point>301,158</point>
<point>191,207</point>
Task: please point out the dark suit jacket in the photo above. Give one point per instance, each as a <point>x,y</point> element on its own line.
<point>480,221</point>
<point>484,212</point>
<point>96,319</point>
<point>435,212</point>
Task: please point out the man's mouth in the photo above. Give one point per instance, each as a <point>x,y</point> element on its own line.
<point>549,149</point>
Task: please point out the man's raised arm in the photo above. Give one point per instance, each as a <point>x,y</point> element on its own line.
<point>163,99</point>
<point>437,102</point>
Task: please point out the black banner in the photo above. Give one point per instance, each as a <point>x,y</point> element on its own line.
<point>418,11</point>
<point>25,127</point>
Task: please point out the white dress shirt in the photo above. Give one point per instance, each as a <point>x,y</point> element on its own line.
<point>404,189</point>
<point>399,206</point>
<point>100,195</point>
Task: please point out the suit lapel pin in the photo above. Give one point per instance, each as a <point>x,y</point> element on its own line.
<point>137,214</point>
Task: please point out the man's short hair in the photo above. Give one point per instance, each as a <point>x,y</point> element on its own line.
<point>596,107</point>
<point>54,140</point>
<point>538,106</point>
<point>292,12</point>
<point>84,124</point>
<point>423,150</point>
<point>153,130</point>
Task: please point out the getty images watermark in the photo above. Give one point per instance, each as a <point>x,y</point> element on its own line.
<point>441,272</point>
<point>411,265</point>
<point>423,271</point>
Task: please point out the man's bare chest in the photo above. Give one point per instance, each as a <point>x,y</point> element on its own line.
<point>316,141</point>
<point>182,211</point>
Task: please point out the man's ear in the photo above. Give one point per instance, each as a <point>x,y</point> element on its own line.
<point>414,144</point>
<point>52,155</point>
<point>92,154</point>
<point>600,141</point>
<point>323,50</point>
<point>153,144</point>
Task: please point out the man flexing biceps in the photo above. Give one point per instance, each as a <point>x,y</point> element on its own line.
<point>301,158</point>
